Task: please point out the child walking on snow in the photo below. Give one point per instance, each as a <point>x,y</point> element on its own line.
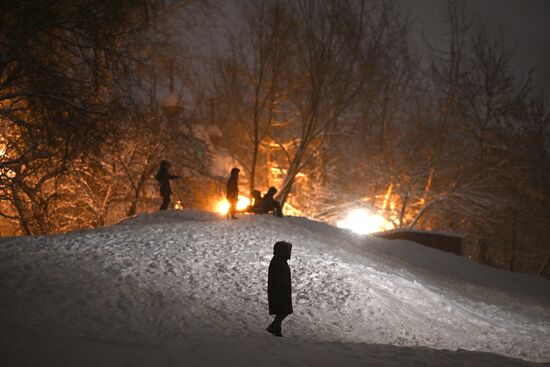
<point>279,287</point>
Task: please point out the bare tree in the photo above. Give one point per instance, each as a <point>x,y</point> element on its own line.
<point>251,78</point>
<point>470,88</point>
<point>338,46</point>
<point>66,77</point>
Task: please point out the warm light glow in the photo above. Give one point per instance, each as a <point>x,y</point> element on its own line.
<point>289,210</point>
<point>6,171</point>
<point>223,205</point>
<point>387,196</point>
<point>178,205</point>
<point>363,221</point>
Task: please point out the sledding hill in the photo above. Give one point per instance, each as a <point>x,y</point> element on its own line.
<point>189,288</point>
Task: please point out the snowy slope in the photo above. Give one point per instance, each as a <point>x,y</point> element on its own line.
<point>188,288</point>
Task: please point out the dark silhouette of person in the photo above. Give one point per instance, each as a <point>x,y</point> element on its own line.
<point>163,177</point>
<point>269,204</point>
<point>232,192</point>
<point>255,206</point>
<point>279,286</point>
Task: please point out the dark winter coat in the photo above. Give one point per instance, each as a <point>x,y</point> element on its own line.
<point>256,207</point>
<point>232,187</point>
<point>279,289</point>
<point>163,177</point>
<point>269,204</point>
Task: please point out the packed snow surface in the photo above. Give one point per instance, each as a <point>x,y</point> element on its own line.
<point>189,288</point>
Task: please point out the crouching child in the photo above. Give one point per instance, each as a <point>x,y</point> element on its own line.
<point>269,204</point>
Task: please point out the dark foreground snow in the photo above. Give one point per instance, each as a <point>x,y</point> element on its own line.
<point>188,289</point>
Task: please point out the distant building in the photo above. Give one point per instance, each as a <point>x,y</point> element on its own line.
<point>448,242</point>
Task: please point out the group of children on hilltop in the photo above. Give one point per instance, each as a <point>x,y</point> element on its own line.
<point>279,288</point>
<point>261,205</point>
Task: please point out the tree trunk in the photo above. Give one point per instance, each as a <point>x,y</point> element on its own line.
<point>137,190</point>
<point>293,170</point>
<point>403,210</point>
<point>23,222</point>
<point>253,169</point>
<point>104,204</point>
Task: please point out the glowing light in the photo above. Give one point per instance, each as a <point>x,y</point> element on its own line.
<point>223,205</point>
<point>363,221</point>
<point>178,205</point>
<point>289,210</point>
<point>3,148</point>
<point>387,197</point>
<point>5,171</point>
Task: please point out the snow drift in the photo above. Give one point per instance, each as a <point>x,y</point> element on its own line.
<point>189,288</point>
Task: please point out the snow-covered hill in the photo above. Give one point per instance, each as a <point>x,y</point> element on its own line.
<point>188,288</point>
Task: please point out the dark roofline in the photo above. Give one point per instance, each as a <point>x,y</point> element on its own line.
<point>410,230</point>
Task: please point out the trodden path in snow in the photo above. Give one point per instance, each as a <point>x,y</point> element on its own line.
<point>175,279</point>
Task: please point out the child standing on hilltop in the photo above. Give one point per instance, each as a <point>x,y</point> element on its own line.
<point>232,192</point>
<point>163,178</point>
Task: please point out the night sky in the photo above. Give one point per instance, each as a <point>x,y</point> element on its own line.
<point>525,27</point>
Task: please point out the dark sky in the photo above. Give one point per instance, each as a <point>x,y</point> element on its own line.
<point>525,27</point>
